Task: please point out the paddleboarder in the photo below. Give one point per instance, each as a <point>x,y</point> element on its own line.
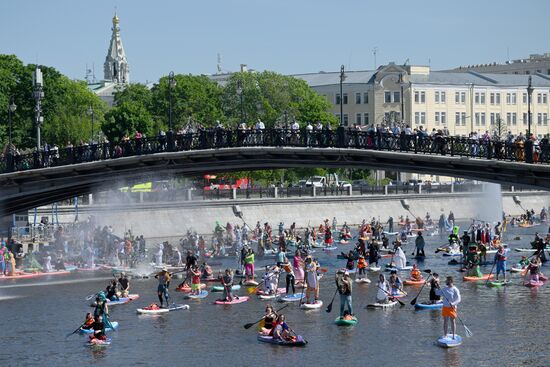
<point>451,299</point>
<point>500,258</point>
<point>434,284</point>
<point>162,288</point>
<point>344,286</point>
<point>419,244</point>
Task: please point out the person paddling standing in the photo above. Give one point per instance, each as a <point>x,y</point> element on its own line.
<point>344,286</point>
<point>162,288</point>
<point>500,259</point>
<point>451,298</point>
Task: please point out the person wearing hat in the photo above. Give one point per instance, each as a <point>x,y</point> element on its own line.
<point>344,286</point>
<point>124,285</point>
<point>434,284</point>
<point>162,288</point>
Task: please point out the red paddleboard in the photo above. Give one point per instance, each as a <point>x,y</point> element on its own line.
<point>475,279</point>
<point>234,301</point>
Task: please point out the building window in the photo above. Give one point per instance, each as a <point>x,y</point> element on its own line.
<point>524,98</point>
<point>419,97</point>
<point>539,119</point>
<point>396,97</point>
<point>511,98</point>
<point>514,118</point>
<point>525,118</point>
<point>460,97</point>
<point>345,99</point>
<point>480,98</point>
<point>358,119</point>
<point>482,119</point>
<point>542,98</point>
<point>440,97</point>
<point>338,118</point>
<point>545,119</point>
<point>337,99</point>
<point>492,118</point>
<point>495,98</point>
<point>365,98</point>
<point>457,97</point>
<point>366,118</point>
<point>477,118</point>
<point>357,98</point>
<point>460,118</point>
<point>387,97</point>
<point>345,115</point>
<point>420,118</point>
<point>440,118</point>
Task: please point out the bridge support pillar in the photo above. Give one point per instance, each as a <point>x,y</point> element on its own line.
<point>189,195</point>
<point>313,193</point>
<point>420,188</point>
<point>386,190</point>
<point>90,199</point>
<point>234,194</point>
<point>512,189</point>
<point>350,191</point>
<point>452,187</point>
<point>141,197</point>
<point>275,192</point>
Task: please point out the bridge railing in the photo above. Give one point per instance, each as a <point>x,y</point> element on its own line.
<point>519,151</point>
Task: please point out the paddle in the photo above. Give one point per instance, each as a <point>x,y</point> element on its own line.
<point>74,332</point>
<point>491,272</point>
<point>251,290</point>
<point>466,330</point>
<point>413,302</point>
<point>390,296</point>
<point>90,296</point>
<point>249,325</point>
<point>329,307</point>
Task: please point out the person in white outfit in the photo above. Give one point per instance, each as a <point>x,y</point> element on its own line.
<point>399,257</point>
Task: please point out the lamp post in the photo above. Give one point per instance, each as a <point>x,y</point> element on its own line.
<point>38,94</point>
<point>240,94</point>
<point>171,85</point>
<point>342,78</point>
<point>402,85</point>
<point>529,94</point>
<point>11,109</point>
<point>91,113</point>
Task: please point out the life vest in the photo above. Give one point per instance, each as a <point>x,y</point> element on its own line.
<point>361,264</point>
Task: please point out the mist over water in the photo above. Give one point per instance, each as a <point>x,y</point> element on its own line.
<point>490,204</point>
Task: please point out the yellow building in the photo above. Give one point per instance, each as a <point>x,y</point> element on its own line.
<point>462,102</point>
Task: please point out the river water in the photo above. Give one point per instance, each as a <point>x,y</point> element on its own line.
<point>509,325</point>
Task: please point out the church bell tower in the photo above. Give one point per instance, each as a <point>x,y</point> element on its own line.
<point>116,66</point>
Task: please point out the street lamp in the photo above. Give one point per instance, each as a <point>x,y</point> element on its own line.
<point>38,94</point>
<point>240,94</point>
<point>171,85</point>
<point>342,78</point>
<point>91,113</point>
<point>529,94</point>
<point>11,109</point>
<point>402,85</point>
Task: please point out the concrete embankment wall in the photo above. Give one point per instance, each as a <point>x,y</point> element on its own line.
<point>173,219</point>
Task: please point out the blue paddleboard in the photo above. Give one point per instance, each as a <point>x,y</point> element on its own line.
<point>447,341</point>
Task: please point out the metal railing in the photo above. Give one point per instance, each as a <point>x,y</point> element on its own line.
<point>517,151</point>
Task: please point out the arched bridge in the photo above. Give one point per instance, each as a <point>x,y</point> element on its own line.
<point>56,174</point>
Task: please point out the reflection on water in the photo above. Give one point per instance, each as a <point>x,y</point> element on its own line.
<point>508,325</point>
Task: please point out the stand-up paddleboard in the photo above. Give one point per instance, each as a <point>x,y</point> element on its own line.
<point>158,311</point>
<point>390,268</point>
<point>429,306</point>
<point>252,283</point>
<point>202,294</point>
<point>533,283</point>
<point>373,268</point>
<point>292,297</point>
<point>362,280</point>
<point>298,342</point>
<point>342,322</point>
<point>234,301</point>
<point>497,283</point>
<point>219,288</point>
<point>414,282</point>
<point>381,305</point>
<point>186,288</point>
<point>312,306</point>
<point>447,341</point>
<point>477,279</point>
<point>123,300</point>
<point>99,343</point>
<point>90,331</point>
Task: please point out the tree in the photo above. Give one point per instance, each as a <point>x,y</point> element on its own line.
<point>194,97</point>
<point>268,95</point>
<point>131,113</point>
<point>64,105</point>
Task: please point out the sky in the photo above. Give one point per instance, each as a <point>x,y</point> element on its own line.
<point>286,36</point>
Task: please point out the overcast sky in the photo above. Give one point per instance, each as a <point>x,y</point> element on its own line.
<point>287,36</point>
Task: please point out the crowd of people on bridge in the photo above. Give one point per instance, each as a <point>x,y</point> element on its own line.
<point>400,137</point>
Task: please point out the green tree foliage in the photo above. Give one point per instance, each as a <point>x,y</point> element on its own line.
<point>64,107</point>
<point>131,113</point>
<point>268,95</point>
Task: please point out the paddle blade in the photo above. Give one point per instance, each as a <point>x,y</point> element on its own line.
<point>251,290</point>
<point>428,271</point>
<point>329,308</point>
<point>413,302</point>
<point>248,326</point>
<point>468,331</point>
